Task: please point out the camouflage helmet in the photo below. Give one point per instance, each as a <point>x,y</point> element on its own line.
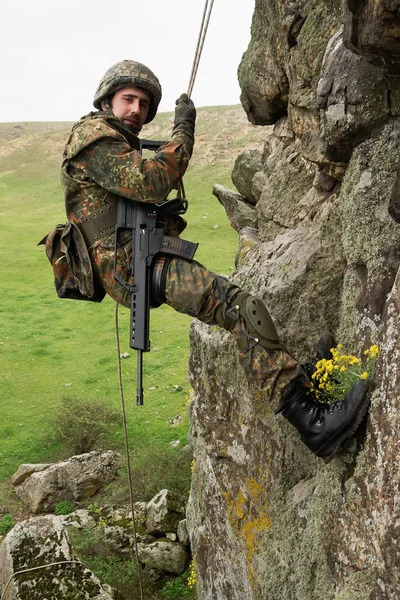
<point>125,74</point>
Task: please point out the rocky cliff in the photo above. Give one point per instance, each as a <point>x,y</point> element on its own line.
<point>318,215</point>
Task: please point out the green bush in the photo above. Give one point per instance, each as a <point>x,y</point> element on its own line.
<point>120,573</point>
<point>153,468</point>
<point>6,524</point>
<point>177,589</point>
<point>64,507</point>
<point>80,425</point>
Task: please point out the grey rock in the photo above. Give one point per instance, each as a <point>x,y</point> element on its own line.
<point>25,471</point>
<point>262,77</point>
<point>164,555</point>
<point>289,178</point>
<point>394,202</point>
<point>354,97</point>
<point>239,212</point>
<point>372,30</point>
<point>266,518</point>
<point>258,184</point>
<point>247,164</point>
<point>370,237</point>
<point>164,512</point>
<point>183,534</point>
<point>74,479</point>
<point>38,541</point>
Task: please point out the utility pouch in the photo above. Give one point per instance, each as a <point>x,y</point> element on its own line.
<point>73,273</point>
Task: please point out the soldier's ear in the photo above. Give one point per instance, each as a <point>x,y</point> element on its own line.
<point>103,106</point>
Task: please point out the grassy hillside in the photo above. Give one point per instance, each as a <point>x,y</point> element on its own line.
<point>52,349</point>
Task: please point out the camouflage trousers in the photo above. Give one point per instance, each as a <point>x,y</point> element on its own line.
<point>194,290</point>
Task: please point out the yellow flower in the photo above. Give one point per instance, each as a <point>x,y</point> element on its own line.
<point>335,377</point>
<point>191,582</point>
<point>374,351</point>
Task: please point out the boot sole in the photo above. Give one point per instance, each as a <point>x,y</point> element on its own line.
<point>345,436</point>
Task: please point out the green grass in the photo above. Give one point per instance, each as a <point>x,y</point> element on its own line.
<point>52,348</point>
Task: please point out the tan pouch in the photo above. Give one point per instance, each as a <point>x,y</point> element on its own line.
<point>73,273</point>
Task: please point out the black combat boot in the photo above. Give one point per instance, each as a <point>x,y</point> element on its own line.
<point>324,428</point>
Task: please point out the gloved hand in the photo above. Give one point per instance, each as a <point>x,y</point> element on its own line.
<point>185,110</point>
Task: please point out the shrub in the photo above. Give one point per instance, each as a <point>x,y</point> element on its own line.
<point>64,508</point>
<point>80,425</point>
<point>91,548</point>
<point>6,524</point>
<point>153,469</point>
<point>177,589</point>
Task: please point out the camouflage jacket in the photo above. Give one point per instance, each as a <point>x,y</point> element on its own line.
<point>101,161</point>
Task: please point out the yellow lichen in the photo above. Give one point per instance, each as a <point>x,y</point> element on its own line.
<point>248,516</point>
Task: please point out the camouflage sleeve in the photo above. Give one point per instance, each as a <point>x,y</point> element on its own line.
<point>114,166</point>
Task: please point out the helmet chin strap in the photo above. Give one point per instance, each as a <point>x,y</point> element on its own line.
<point>109,111</point>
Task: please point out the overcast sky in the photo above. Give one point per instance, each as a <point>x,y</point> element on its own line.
<point>53,54</point>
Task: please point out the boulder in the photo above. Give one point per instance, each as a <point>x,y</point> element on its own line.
<point>183,534</point>
<point>163,556</point>
<point>351,105</point>
<point>25,471</point>
<point>164,512</point>
<point>373,29</point>
<point>240,213</point>
<point>247,164</point>
<point>262,76</point>
<point>39,541</point>
<point>74,479</point>
<point>118,529</point>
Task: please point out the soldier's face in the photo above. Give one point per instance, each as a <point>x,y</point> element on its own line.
<point>131,105</point>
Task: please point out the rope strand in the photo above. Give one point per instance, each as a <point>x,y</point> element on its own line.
<point>128,461</point>
<point>199,49</point>
<point>200,43</point>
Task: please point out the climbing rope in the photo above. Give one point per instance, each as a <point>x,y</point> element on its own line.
<point>181,194</point>
<point>200,43</point>
<point>199,49</point>
<point>128,460</point>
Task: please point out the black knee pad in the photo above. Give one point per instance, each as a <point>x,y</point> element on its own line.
<point>158,280</point>
<point>257,318</point>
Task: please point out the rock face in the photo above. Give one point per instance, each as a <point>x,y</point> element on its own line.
<point>372,29</point>
<point>38,541</point>
<point>240,212</point>
<point>268,520</point>
<point>164,512</point>
<point>49,539</point>
<point>41,487</point>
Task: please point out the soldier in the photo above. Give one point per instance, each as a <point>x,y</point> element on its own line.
<point>101,161</point>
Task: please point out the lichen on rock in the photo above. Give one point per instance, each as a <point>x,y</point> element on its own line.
<point>267,519</point>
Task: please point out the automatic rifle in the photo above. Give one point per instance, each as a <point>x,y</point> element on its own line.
<point>145,221</point>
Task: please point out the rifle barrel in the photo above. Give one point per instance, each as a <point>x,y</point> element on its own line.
<point>139,389</point>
